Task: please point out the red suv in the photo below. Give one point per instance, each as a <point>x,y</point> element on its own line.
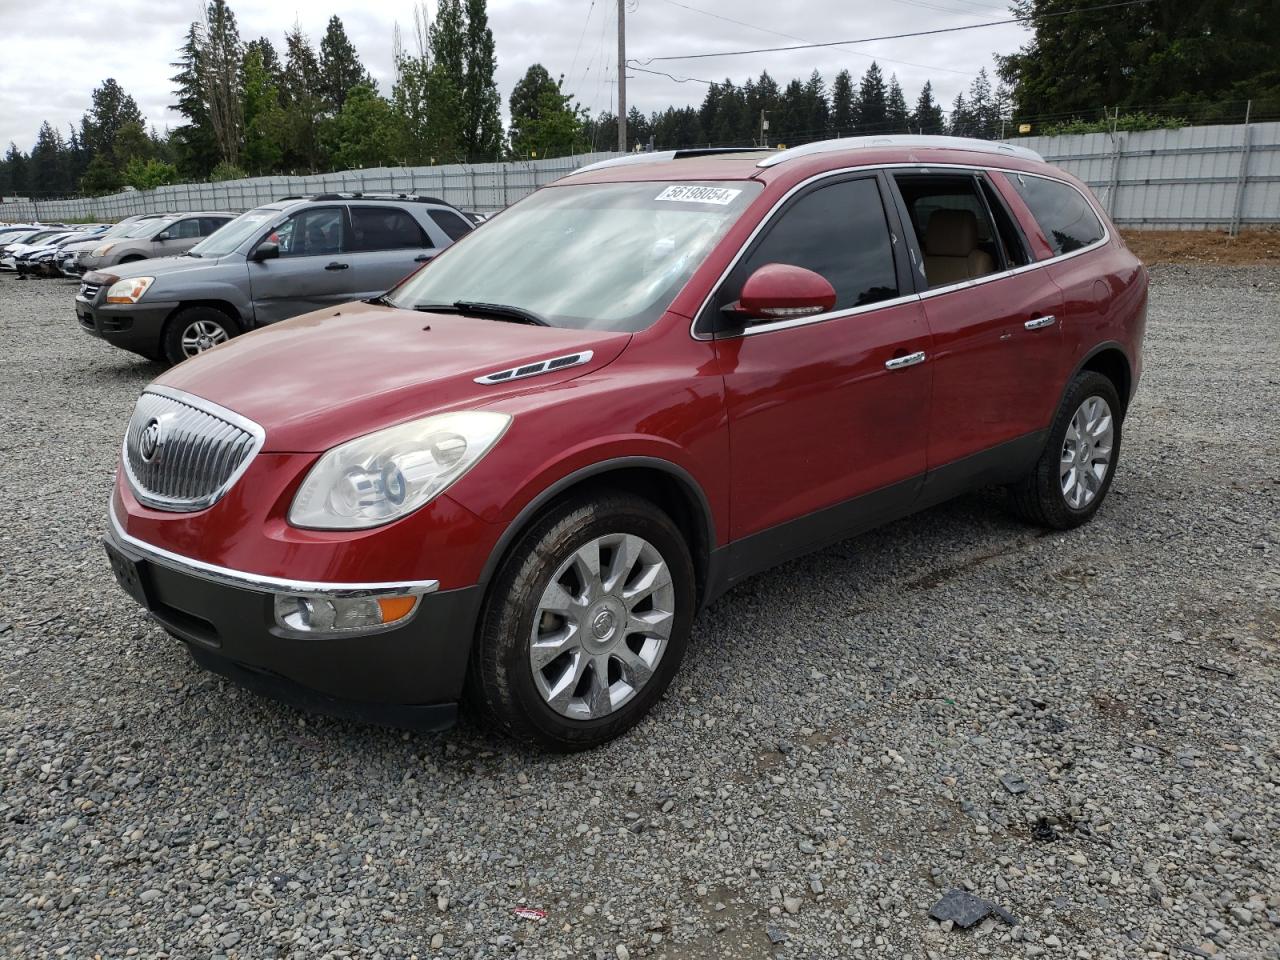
<point>518,475</point>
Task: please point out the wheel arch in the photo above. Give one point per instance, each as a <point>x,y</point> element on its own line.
<point>223,306</point>
<point>667,485</point>
<point>1110,360</point>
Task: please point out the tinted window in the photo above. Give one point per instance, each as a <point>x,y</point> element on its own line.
<point>385,228</point>
<point>184,229</point>
<point>1066,218</point>
<point>209,224</point>
<point>454,226</point>
<point>838,231</point>
<point>1017,254</point>
<point>310,233</point>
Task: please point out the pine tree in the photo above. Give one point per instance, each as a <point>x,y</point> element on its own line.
<point>111,110</point>
<point>300,98</point>
<point>843,105</point>
<point>263,116</point>
<point>873,109</point>
<point>340,66</point>
<point>817,109</point>
<point>981,107</point>
<point>897,116</point>
<point>48,161</point>
<point>194,144</point>
<point>962,121</point>
<point>482,124</point>
<point>928,118</point>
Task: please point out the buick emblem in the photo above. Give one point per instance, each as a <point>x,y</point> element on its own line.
<point>152,438</point>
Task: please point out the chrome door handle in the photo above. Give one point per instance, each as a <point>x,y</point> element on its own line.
<point>910,360</point>
<point>1038,322</point>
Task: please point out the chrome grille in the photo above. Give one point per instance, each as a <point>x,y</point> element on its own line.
<point>183,453</point>
<point>88,291</point>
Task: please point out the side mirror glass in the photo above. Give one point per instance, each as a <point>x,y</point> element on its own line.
<point>780,291</point>
<point>266,250</point>
<point>164,235</point>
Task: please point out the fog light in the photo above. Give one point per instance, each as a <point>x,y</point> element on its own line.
<point>323,614</point>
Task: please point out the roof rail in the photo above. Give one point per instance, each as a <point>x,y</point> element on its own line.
<point>663,156</point>
<point>972,145</point>
<point>369,196</point>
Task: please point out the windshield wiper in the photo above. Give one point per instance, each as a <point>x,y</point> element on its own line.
<point>499,311</point>
<point>192,254</point>
<point>380,301</point>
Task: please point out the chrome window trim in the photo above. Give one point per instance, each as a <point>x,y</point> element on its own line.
<point>213,409</point>
<point>264,584</point>
<point>759,328</point>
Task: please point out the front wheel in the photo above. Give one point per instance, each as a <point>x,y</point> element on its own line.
<point>1071,479</point>
<point>195,330</point>
<point>585,624</point>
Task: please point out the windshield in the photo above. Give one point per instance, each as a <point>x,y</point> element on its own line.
<point>609,256</point>
<point>143,228</point>
<point>122,229</point>
<point>235,232</point>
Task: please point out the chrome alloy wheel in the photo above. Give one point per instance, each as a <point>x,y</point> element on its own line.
<point>202,335</point>
<point>602,626</point>
<point>1086,452</point>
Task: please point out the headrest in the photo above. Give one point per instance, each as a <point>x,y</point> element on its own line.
<point>951,233</point>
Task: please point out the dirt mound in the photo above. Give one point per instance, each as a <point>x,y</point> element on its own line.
<point>1204,246</point>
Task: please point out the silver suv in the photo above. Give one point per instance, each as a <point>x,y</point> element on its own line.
<point>269,264</point>
<point>166,236</point>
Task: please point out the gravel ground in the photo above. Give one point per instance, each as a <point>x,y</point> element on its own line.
<point>829,762</point>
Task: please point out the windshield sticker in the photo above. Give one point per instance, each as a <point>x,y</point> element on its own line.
<point>695,194</point>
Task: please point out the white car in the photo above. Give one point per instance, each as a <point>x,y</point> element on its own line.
<point>31,242</point>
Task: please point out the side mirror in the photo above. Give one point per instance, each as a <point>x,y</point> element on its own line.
<point>780,291</point>
<point>266,250</point>
<point>163,235</point>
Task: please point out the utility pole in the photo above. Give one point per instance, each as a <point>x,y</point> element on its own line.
<point>622,76</point>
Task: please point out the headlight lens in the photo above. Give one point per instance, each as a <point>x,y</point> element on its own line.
<point>103,250</point>
<point>129,291</point>
<point>389,474</point>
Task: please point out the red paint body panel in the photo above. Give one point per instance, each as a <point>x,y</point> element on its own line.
<point>769,427</point>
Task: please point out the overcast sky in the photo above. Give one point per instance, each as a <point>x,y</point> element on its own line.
<point>53,54</point>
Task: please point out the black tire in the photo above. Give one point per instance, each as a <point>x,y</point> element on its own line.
<point>131,259</point>
<point>501,688</point>
<point>171,351</point>
<point>1038,497</point>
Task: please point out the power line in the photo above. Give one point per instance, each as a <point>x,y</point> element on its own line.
<point>898,36</point>
<point>789,36</point>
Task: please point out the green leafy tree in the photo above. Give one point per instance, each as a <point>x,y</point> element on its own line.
<point>927,117</point>
<point>219,72</point>
<point>264,118</point>
<point>358,136</point>
<point>447,52</point>
<point>844,105</point>
<point>302,103</point>
<point>340,68</point>
<point>545,122</point>
<point>227,171</point>
<point>481,123</point>
<point>102,176</point>
<point>873,106</point>
<point>149,174</point>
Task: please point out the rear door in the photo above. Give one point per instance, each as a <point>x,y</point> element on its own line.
<point>385,243</point>
<point>823,411</point>
<point>312,271</point>
<point>996,339</point>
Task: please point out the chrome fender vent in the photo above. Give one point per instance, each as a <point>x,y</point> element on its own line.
<point>537,368</point>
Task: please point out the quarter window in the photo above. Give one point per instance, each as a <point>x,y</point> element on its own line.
<point>454,226</point>
<point>1066,218</point>
<point>838,231</point>
<point>385,228</point>
<point>310,233</point>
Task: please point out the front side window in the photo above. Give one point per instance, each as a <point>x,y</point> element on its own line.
<point>601,256</point>
<point>185,229</point>
<point>838,231</point>
<point>1066,218</point>
<point>310,233</point>
<point>385,228</point>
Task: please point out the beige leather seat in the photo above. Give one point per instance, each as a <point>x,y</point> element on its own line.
<point>951,252</point>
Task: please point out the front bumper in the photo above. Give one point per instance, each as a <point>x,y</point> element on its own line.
<point>131,326</point>
<point>408,675</point>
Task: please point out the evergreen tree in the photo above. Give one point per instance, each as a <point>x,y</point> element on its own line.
<point>263,116</point>
<point>793,110</point>
<point>897,116</point>
<point>219,62</point>
<point>817,109</point>
<point>194,144</point>
<point>524,105</point>
<point>48,163</point>
<point>340,66</point>
<point>13,172</point>
<point>409,94</point>
<point>962,121</point>
<point>982,108</point>
<point>844,105</point>
<point>270,59</point>
<point>545,122</point>
<point>111,110</point>
<point>928,118</point>
<point>482,125</point>
<point>358,136</point>
<point>301,101</point>
<point>873,108</point>
<point>447,42</point>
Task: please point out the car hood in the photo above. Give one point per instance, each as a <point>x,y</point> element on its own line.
<point>79,246</point>
<point>325,377</point>
<point>162,267</point>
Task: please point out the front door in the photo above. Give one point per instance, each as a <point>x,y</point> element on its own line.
<point>313,270</point>
<point>828,415</point>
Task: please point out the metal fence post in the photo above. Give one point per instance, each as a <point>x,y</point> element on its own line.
<point>1115,166</point>
<point>1242,180</point>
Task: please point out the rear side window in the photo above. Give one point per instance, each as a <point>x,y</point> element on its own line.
<point>454,227</point>
<point>953,227</point>
<point>1066,218</point>
<point>385,228</point>
<point>837,231</point>
<point>209,224</point>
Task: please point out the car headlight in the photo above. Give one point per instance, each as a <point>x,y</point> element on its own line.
<point>129,291</point>
<point>103,250</point>
<point>389,474</point>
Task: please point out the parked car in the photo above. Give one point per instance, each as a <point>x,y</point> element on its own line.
<point>167,236</point>
<point>519,474</point>
<point>10,253</point>
<point>13,234</point>
<point>42,260</point>
<point>271,263</point>
<point>72,253</point>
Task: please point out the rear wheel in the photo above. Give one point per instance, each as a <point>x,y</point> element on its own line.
<point>585,624</point>
<point>1073,475</point>
<point>194,330</point>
